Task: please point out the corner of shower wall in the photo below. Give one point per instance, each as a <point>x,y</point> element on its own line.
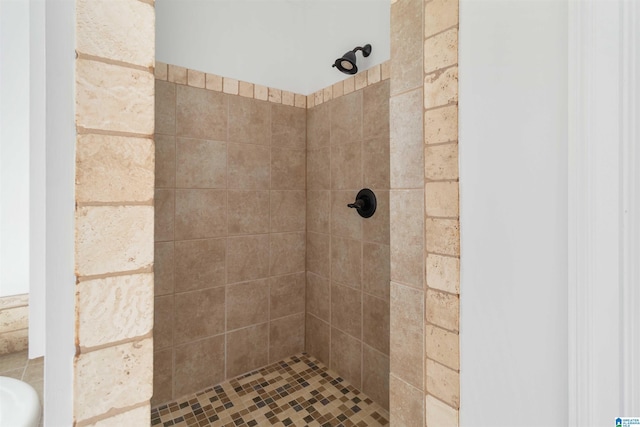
<point>229,228</point>
<point>425,239</point>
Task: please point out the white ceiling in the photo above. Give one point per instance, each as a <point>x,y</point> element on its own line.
<point>285,44</point>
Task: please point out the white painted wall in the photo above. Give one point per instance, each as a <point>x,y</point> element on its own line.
<point>285,44</point>
<point>513,183</point>
<point>14,147</point>
<point>60,159</point>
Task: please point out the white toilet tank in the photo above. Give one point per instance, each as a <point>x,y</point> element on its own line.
<point>19,404</point>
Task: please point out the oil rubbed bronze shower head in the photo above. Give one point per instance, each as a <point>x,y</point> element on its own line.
<point>347,63</point>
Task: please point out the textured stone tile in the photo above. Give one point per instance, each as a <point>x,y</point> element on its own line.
<point>346,261</point>
<point>375,323</point>
<point>161,71</point>
<point>373,74</point>
<point>177,74</point>
<point>441,199</point>
<point>317,338</point>
<point>249,121</point>
<point>346,357</point>
<point>200,264</point>
<point>406,140</point>
<point>107,379</point>
<point>199,314</point>
<point>346,166</point>
<point>246,89</point>
<point>249,166</point>
<point>287,253</point>
<point>318,127</point>
<point>114,98</point>
<point>114,309</point>
<point>247,304</point>
<point>385,70</point>
<point>200,214</point>
<point>440,414</point>
<point>286,337</point>
<point>287,295</point>
<point>443,236</point>
<point>113,238</point>
<point>201,113</point>
<point>318,211</point>
<point>375,111</point>
<point>406,40</point>
<point>247,349</point>
<point>275,95</point>
<point>213,82</point>
<point>346,310</point>
<point>319,169</point>
<point>441,88</point>
<point>442,346</point>
<point>345,222</point>
<point>300,101</point>
<point>288,169</point>
<point>439,15</point>
<point>163,321</point>
<point>377,227</point>
<point>375,375</point>
<point>14,341</point>
<point>444,383</point>
<point>407,241</point>
<point>165,108</point>
<point>443,273</point>
<point>376,269</point>
<point>162,376</point>
<point>122,31</point>
<point>230,86</point>
<point>319,254</point>
<point>247,258</point>
<point>318,298</point>
<point>441,51</point>
<point>201,164</point>
<point>346,118</point>
<point>261,92</point>
<point>441,162</point>
<point>441,125</point>
<point>164,214</point>
<point>443,309</point>
<point>135,417</point>
<point>406,403</point>
<point>196,78</point>
<point>287,210</point>
<point>248,211</point>
<point>199,365</point>
<point>407,339</point>
<point>361,80</point>
<point>14,301</point>
<point>13,319</point>
<point>114,169</point>
<point>376,162</point>
<point>165,168</point>
<point>288,127</point>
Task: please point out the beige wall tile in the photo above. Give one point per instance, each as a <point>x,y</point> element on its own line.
<point>441,162</point>
<point>337,89</point>
<point>122,31</point>
<point>318,97</point>
<point>163,321</point>
<point>443,236</point>
<point>443,383</point>
<point>114,169</point>
<point>406,45</point>
<point>287,253</point>
<point>317,338</point>
<point>373,74</point>
<point>441,125</point>
<point>443,273</point>
<point>406,141</point>
<point>385,70</point>
<point>261,92</point>
<point>318,127</point>
<point>230,86</point>
<point>345,222</point>
<point>407,337</point>
<point>114,98</point>
<point>249,121</point>
<point>162,377</point>
<point>247,304</point>
<point>288,98</point>
<point>442,346</point>
<point>113,238</point>
<point>198,365</point>
<point>200,214</point>
<point>349,85</point>
<point>376,269</point>
<point>288,127</point>
<point>15,318</point>
<point>201,113</point>
<point>375,323</point>
<point>14,341</point>
<point>201,164</point>
<point>346,118</point>
<point>288,169</point>
<point>375,104</point>
<point>248,211</point>
<point>346,166</point>
<point>113,309</point>
<point>200,264</point>
<point>360,80</point>
<point>164,214</point>
<point>247,349</point>
<point>163,268</point>
<point>286,337</point>
<point>319,254</point>
<point>198,314</point>
<point>246,89</point>
<point>196,78</point>
<point>441,199</point>
<point>247,258</point>
<point>300,101</point>
<point>275,95</point>
<point>443,309</point>
<point>310,100</point>
<point>318,169</point>
<point>375,375</point>
<point>327,93</point>
<point>346,357</point>
<point>407,241</point>
<point>213,82</point>
<point>346,261</point>
<point>248,166</point>
<point>165,168</point>
<point>287,210</point>
<point>137,416</point>
<point>440,15</point>
<point>441,51</point>
<point>346,310</point>
<point>165,107</point>
<point>126,370</point>
<point>286,295</point>
<point>439,413</point>
<point>406,403</point>
<point>318,298</point>
<point>14,301</point>
<point>318,211</point>
<point>161,71</point>
<point>441,88</point>
<point>177,74</point>
<point>376,228</point>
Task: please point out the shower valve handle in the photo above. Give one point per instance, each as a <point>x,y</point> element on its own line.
<point>359,204</point>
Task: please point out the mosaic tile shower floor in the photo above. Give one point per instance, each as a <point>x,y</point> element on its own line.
<point>297,391</point>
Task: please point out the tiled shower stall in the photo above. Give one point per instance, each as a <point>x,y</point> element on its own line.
<point>257,256</point>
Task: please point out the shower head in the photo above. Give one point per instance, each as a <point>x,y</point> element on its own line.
<point>347,63</point>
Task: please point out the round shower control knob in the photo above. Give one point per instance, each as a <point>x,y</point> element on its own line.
<point>365,203</point>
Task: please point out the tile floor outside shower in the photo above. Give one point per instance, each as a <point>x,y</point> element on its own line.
<point>297,391</point>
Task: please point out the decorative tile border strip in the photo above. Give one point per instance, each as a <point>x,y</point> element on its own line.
<point>185,76</point>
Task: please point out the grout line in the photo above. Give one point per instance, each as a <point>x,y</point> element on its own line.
<point>109,61</point>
